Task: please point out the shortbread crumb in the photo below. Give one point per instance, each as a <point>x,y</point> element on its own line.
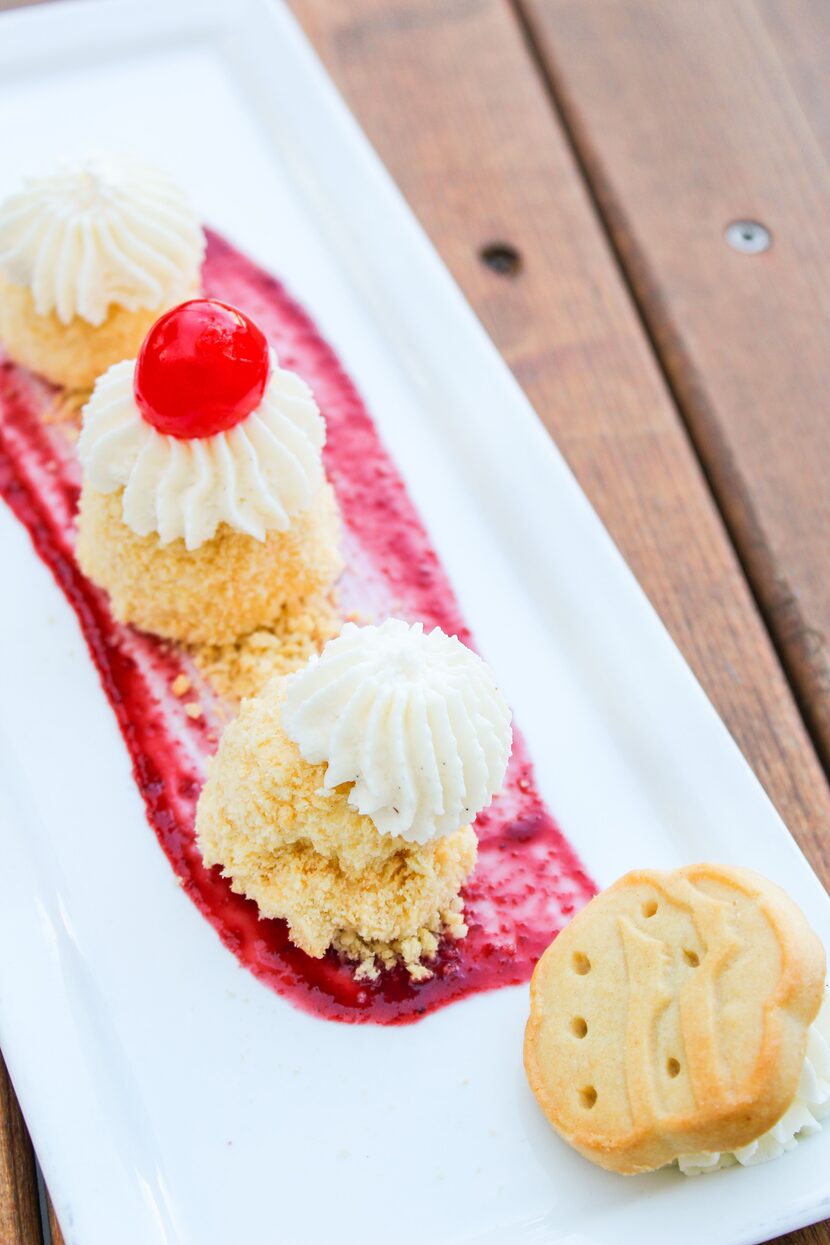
<point>243,667</point>
<point>65,408</point>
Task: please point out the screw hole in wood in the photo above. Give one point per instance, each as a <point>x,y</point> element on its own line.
<point>502,258</point>
<point>749,237</point>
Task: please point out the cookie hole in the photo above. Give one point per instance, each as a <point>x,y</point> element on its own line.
<point>588,1097</point>
<point>673,1067</point>
<point>582,964</point>
<point>691,957</point>
<point>649,907</point>
<point>579,1026</point>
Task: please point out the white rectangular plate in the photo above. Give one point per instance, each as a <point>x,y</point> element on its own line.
<point>170,1096</point>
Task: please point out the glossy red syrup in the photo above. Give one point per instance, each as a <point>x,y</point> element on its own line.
<point>201,369</point>
<point>528,880</point>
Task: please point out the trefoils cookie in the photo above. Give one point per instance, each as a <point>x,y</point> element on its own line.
<point>671,1016</point>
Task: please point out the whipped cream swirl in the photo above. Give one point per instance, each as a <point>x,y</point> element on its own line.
<point>802,1118</point>
<point>413,721</point>
<point>107,231</point>
<point>255,477</point>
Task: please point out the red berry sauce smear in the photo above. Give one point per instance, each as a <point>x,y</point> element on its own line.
<point>528,881</point>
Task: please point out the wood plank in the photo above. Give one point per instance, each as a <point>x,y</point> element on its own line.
<point>54,1226</point>
<point>19,1208</point>
<point>800,33</point>
<point>445,93</point>
<point>686,118</point>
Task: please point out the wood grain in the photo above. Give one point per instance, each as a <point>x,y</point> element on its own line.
<point>447,94</point>
<point>816,1234</point>
<point>799,31</point>
<point>688,116</point>
<point>19,1208</point>
<point>54,1226</point>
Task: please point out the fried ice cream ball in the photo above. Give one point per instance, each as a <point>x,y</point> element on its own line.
<point>225,588</point>
<point>71,355</point>
<point>304,854</point>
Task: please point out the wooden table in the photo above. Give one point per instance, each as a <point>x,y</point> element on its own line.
<point>578,163</point>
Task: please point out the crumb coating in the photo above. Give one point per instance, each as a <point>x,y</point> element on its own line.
<point>229,586</point>
<point>75,354</point>
<point>243,667</point>
<point>304,854</point>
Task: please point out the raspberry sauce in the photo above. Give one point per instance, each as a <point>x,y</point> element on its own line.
<point>528,880</point>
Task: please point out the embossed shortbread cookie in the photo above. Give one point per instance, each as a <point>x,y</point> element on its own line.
<point>671,1016</point>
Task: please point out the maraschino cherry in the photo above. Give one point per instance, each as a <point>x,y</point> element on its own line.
<point>202,368</point>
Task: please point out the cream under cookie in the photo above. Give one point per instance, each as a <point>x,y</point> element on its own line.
<point>302,853</point>
<point>72,355</point>
<point>227,587</point>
